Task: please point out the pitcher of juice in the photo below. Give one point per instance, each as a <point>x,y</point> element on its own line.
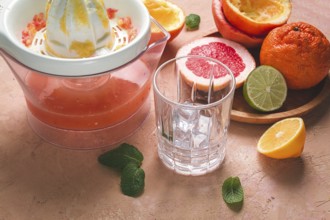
<point>93,109</point>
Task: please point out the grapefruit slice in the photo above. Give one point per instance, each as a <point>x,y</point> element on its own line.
<point>230,32</point>
<point>236,57</point>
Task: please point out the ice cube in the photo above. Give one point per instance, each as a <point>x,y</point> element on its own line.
<point>200,140</point>
<point>184,119</point>
<point>203,125</point>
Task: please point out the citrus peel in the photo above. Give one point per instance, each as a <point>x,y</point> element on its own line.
<point>167,14</point>
<point>229,31</point>
<point>257,17</point>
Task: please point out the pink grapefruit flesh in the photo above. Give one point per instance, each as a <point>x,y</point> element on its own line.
<point>236,57</point>
<point>230,32</point>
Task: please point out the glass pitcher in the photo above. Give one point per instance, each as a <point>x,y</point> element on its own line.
<point>88,112</point>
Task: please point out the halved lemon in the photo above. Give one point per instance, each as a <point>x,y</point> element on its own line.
<point>257,17</point>
<point>284,139</point>
<point>168,14</point>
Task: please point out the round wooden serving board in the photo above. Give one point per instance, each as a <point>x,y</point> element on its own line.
<point>298,103</point>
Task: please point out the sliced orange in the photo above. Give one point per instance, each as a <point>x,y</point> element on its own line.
<point>168,14</point>
<point>257,17</point>
<point>284,139</point>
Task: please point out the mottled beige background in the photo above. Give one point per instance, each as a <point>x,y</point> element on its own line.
<point>40,181</point>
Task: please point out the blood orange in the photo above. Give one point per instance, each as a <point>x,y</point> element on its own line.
<point>236,57</point>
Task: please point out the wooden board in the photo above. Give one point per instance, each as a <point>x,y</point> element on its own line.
<point>298,103</point>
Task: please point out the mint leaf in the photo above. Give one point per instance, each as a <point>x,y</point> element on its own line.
<point>192,21</point>
<point>232,191</point>
<point>132,180</point>
<point>119,157</point>
<point>127,159</point>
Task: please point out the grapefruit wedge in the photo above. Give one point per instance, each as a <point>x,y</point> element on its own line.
<point>236,57</point>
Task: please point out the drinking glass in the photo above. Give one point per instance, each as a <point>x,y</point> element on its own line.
<point>193,98</point>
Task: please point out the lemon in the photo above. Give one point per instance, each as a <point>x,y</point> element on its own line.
<point>284,139</point>
<point>265,89</point>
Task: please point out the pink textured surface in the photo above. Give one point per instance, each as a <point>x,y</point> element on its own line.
<point>40,181</point>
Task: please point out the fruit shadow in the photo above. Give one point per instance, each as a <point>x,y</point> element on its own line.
<point>236,207</point>
<point>287,172</point>
<point>314,117</point>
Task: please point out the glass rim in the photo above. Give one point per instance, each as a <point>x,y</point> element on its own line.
<point>201,106</point>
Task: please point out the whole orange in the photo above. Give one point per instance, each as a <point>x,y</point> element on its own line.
<point>300,52</point>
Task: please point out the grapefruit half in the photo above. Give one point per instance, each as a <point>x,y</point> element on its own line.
<point>230,32</point>
<point>236,57</point>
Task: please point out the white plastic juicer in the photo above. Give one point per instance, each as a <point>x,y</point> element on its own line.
<point>83,103</point>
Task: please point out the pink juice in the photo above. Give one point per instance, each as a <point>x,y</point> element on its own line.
<point>88,103</point>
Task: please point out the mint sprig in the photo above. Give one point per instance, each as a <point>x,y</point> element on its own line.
<point>232,191</point>
<point>127,159</point>
<point>192,22</point>
<point>119,157</point>
<point>132,180</point>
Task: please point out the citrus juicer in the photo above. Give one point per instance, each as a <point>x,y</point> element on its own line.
<point>15,14</point>
<point>83,103</point>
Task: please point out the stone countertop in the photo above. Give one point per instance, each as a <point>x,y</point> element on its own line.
<point>41,181</point>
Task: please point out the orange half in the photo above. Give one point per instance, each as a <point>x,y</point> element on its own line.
<point>257,17</point>
<point>167,14</point>
<point>230,32</point>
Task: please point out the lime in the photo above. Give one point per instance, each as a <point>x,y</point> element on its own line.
<point>265,89</point>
